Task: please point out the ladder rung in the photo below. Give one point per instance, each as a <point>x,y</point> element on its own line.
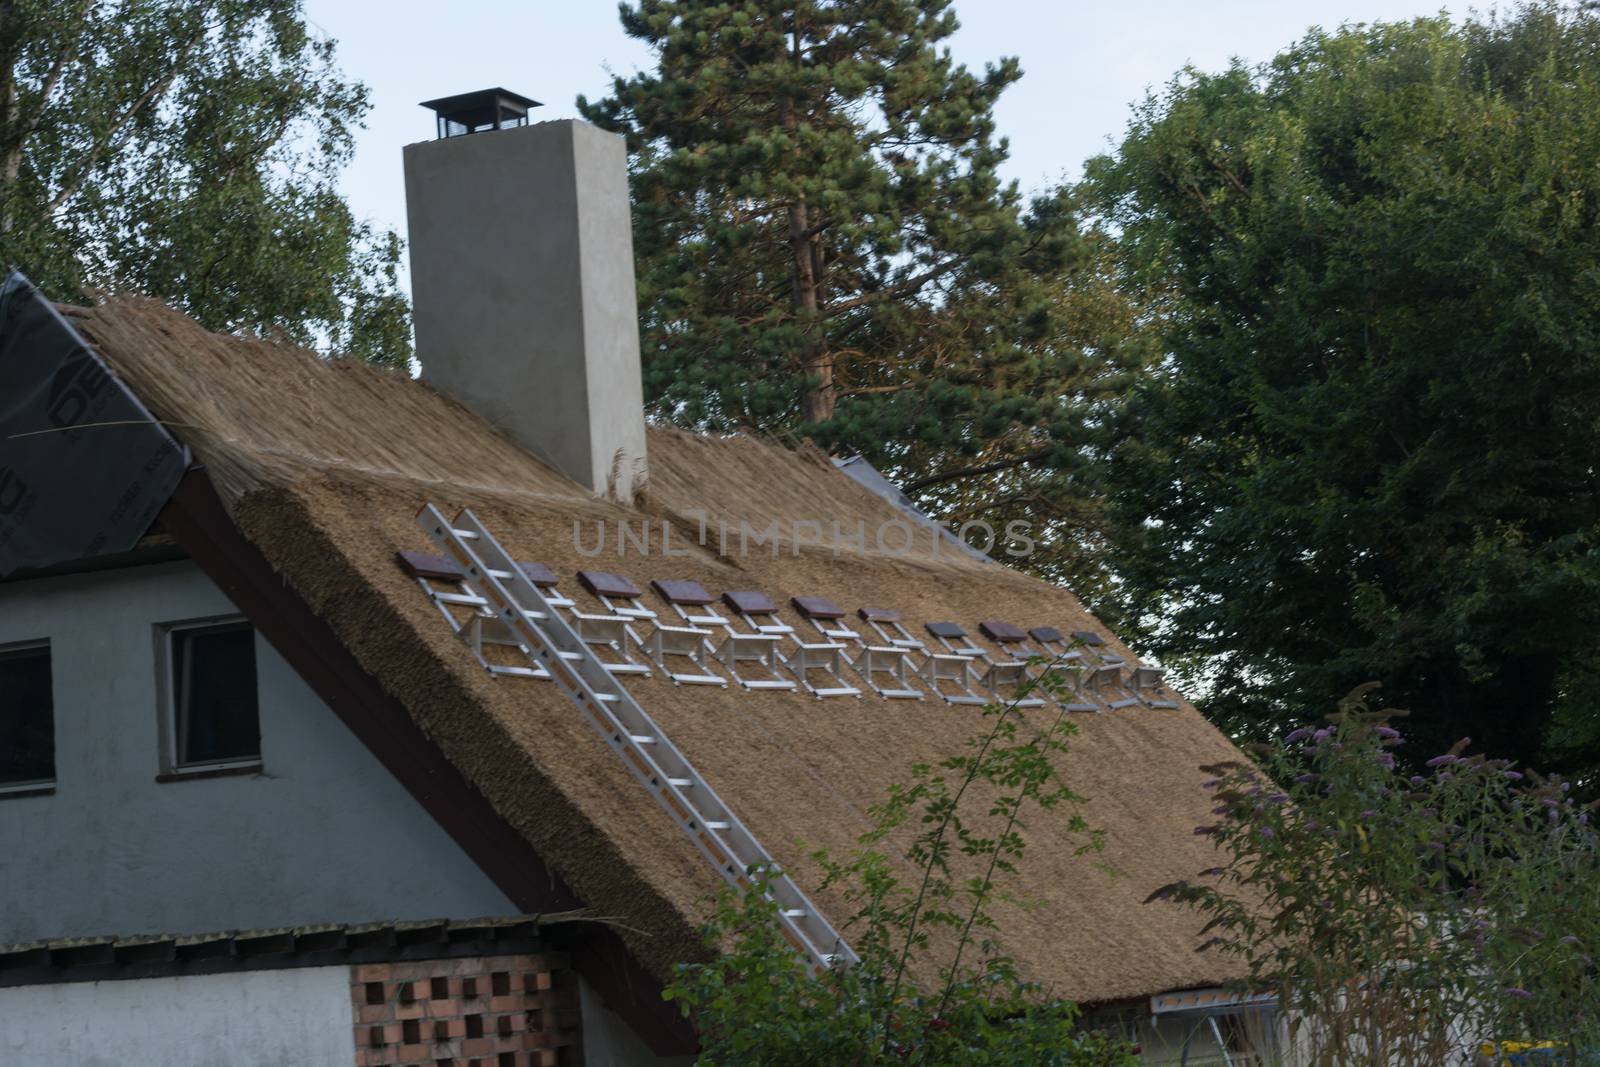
<point>795,913</point>
<point>681,783</point>
<point>607,698</point>
<point>521,672</point>
<point>714,825</point>
<point>460,598</point>
<point>642,739</point>
<point>465,535</point>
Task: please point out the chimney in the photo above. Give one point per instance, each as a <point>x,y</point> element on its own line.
<point>522,283</point>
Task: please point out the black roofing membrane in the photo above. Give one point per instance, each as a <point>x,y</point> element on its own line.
<point>84,467</point>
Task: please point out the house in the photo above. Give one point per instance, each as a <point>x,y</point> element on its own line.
<point>264,746</point>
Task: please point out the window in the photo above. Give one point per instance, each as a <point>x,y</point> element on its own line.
<point>214,720</point>
<point>27,718</point>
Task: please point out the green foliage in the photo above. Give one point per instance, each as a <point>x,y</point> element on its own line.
<point>1370,451</point>
<point>933,986</point>
<point>188,149</point>
<point>1400,917</point>
<point>824,246</point>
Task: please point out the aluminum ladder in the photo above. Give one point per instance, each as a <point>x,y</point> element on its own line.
<point>549,640</point>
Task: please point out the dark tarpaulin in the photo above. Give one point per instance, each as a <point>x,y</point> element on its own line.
<point>84,468</point>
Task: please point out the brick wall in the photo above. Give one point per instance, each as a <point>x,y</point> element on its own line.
<point>475,1011</point>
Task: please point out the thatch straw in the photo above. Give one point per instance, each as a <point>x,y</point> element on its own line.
<point>325,465</point>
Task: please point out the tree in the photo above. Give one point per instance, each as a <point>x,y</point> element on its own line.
<point>1405,919</point>
<point>824,246</point>
<point>188,149</point>
<point>1369,453</point>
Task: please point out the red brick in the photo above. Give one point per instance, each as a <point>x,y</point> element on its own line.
<point>444,1009</point>
<point>372,1013</point>
<point>544,980</point>
<point>476,1046</point>
<point>373,972</point>
<point>507,1003</point>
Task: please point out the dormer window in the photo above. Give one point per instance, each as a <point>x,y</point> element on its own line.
<point>27,719</point>
<point>213,718</point>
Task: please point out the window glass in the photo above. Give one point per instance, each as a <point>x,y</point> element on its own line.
<point>27,717</point>
<point>215,717</point>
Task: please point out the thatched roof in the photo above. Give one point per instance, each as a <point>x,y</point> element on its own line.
<point>324,464</point>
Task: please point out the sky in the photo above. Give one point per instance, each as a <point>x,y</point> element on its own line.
<point>1083,65</point>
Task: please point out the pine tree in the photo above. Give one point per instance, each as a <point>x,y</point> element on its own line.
<point>825,246</point>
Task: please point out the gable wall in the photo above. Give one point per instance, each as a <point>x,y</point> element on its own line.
<point>325,834</point>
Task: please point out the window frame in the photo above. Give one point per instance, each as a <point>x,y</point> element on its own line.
<point>36,786</point>
<point>168,635</point>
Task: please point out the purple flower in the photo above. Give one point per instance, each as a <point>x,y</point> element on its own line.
<point>1416,779</point>
<point>1222,810</point>
<point>1569,940</point>
<point>1386,761</point>
<point>1266,831</point>
<point>1370,813</point>
<point>1430,813</point>
<point>1279,798</point>
<point>1210,783</point>
<point>1204,831</point>
<point>1441,761</point>
<point>1515,776</point>
<point>1323,734</point>
<point>1388,733</point>
<point>1548,802</point>
<point>1304,778</point>
<point>1513,991</point>
<point>1297,735</point>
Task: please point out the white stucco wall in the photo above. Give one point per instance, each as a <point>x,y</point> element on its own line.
<point>246,1019</point>
<point>324,834</point>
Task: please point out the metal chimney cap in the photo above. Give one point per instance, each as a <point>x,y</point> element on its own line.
<point>486,109</point>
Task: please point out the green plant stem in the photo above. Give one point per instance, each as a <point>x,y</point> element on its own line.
<point>988,877</point>
<point>972,775</point>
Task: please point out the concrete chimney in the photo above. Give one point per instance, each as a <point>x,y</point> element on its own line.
<point>523,291</point>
